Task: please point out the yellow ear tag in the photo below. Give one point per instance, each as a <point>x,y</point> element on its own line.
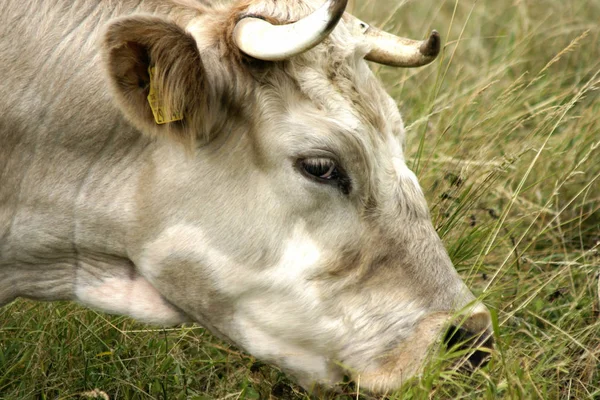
<point>161,115</point>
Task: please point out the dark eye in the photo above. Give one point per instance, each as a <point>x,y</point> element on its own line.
<point>321,168</point>
<point>325,170</point>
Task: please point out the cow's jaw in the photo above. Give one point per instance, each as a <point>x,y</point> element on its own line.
<point>309,366</point>
<point>284,320</point>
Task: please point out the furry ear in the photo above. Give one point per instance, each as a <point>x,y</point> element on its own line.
<point>147,55</point>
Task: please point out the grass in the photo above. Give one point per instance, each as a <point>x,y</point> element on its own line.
<point>504,133</point>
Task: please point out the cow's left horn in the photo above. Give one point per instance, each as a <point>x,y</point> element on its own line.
<point>265,41</point>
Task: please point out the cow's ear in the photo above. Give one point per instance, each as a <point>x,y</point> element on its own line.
<point>156,76</point>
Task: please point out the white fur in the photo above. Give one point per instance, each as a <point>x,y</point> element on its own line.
<point>406,174</point>
<point>272,303</point>
<point>300,258</point>
<point>315,367</point>
<point>134,296</point>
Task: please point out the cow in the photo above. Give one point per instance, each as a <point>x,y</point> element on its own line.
<point>234,165</point>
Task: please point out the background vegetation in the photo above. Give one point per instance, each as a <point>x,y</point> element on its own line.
<point>504,133</point>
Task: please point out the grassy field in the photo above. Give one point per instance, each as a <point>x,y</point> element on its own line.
<point>504,134</point>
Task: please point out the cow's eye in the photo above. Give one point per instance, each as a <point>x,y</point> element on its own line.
<point>321,168</point>
<point>325,170</point>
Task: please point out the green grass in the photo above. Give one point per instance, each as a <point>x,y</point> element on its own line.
<point>504,132</point>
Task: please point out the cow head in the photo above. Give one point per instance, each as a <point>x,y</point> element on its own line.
<point>288,222</point>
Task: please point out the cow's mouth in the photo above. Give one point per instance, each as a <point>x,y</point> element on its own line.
<point>468,350</point>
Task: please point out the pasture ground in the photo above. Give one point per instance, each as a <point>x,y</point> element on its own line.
<point>504,134</point>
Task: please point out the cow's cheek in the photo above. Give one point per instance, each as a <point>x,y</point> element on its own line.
<point>307,362</point>
<point>292,331</point>
<point>284,319</point>
<point>181,266</point>
<point>275,312</point>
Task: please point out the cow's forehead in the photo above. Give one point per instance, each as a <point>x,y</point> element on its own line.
<point>359,114</point>
<point>343,85</point>
<point>283,11</point>
<point>334,75</point>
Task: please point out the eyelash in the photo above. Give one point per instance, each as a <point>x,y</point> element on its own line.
<point>325,171</point>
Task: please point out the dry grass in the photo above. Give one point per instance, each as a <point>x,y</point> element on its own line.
<point>504,132</point>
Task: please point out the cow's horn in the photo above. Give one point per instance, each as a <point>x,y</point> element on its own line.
<point>265,41</point>
<point>396,51</point>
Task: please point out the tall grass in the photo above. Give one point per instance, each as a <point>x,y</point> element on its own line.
<point>504,133</point>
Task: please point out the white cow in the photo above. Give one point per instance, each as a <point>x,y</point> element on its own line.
<point>235,165</point>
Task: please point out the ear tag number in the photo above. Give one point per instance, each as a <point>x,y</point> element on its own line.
<point>161,115</point>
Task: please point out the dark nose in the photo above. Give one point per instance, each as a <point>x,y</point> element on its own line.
<point>476,345</point>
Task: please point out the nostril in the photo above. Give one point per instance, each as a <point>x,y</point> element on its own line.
<point>476,345</point>
<point>454,336</point>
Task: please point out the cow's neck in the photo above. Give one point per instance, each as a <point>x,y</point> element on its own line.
<point>67,204</point>
<point>69,225</point>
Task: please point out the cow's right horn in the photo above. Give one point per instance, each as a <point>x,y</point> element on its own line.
<point>265,41</point>
<point>393,50</point>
